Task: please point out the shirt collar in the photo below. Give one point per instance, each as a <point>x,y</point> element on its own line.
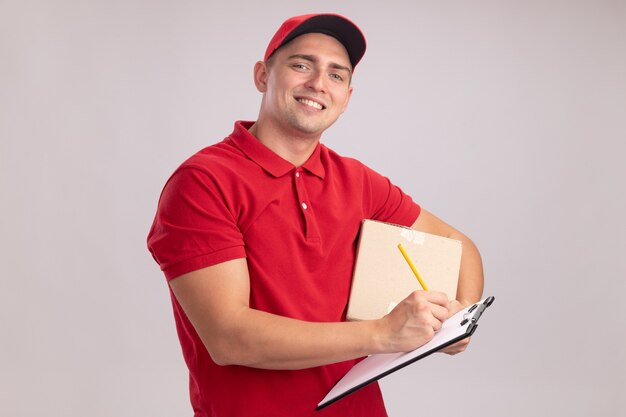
<point>314,163</point>
<point>267,159</point>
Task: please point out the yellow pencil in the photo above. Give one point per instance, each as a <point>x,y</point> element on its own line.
<point>413,268</point>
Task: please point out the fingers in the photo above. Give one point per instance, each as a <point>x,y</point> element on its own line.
<point>428,309</point>
<point>440,313</point>
<point>458,347</point>
<point>434,297</point>
<point>433,302</point>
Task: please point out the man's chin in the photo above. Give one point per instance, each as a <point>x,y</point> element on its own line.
<point>309,127</point>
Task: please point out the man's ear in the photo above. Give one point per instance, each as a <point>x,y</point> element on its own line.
<point>260,76</point>
<point>345,105</point>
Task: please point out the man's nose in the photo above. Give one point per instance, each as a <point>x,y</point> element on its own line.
<point>316,81</point>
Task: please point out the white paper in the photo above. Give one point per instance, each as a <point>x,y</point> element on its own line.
<point>373,366</point>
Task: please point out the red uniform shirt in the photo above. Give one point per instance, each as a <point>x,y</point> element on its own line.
<point>297,228</point>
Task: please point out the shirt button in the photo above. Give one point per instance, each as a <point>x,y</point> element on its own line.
<point>304,206</point>
<point>297,174</point>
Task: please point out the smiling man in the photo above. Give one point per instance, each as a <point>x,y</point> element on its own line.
<point>256,236</point>
<point>306,86</point>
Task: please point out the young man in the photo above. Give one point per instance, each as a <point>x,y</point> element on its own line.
<point>256,236</point>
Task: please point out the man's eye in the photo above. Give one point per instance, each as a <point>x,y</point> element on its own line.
<point>299,66</point>
<point>337,77</point>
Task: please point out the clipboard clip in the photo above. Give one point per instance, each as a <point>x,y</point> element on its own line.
<point>477,310</point>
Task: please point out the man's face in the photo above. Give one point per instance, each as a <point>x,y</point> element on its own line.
<point>307,85</point>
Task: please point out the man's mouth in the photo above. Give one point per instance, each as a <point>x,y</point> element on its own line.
<point>311,103</point>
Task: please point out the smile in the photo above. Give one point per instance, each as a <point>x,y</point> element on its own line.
<point>311,103</point>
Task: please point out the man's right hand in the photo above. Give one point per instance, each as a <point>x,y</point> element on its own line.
<point>414,321</point>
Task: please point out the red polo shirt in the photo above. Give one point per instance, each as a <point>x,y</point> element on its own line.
<point>297,228</point>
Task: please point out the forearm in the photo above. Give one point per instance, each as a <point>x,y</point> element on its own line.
<point>470,284</point>
<point>215,299</point>
<point>471,279</point>
<point>264,340</point>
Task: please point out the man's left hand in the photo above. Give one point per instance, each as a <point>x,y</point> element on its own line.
<point>461,345</point>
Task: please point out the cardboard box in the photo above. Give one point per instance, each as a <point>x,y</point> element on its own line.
<point>382,277</point>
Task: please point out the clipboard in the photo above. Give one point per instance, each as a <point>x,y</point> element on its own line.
<point>458,327</point>
<point>382,278</point>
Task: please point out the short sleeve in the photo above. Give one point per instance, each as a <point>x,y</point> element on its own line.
<point>193,227</point>
<point>387,202</point>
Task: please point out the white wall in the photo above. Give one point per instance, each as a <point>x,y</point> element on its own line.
<point>507,119</point>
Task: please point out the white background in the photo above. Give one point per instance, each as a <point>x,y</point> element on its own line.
<point>505,118</point>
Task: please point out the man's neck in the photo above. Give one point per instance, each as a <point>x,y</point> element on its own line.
<point>295,149</point>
